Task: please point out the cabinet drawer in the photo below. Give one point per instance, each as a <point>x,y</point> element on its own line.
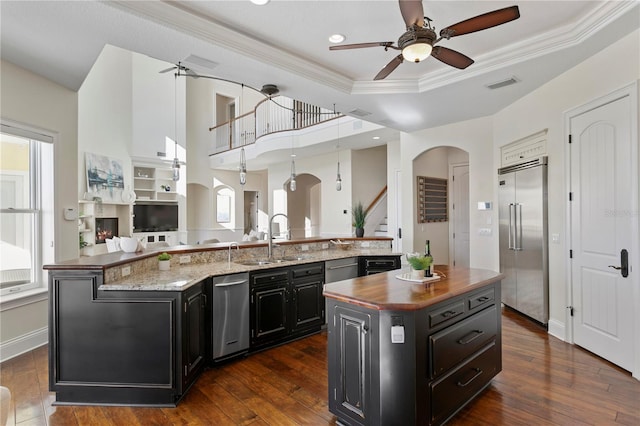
<point>269,278</point>
<point>307,270</point>
<point>454,390</point>
<point>485,298</point>
<point>446,313</point>
<point>452,345</point>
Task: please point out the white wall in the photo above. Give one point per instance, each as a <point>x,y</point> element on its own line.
<point>610,69</point>
<point>475,137</point>
<point>30,99</point>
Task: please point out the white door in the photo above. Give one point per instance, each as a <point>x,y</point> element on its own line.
<point>460,222</point>
<point>604,187</point>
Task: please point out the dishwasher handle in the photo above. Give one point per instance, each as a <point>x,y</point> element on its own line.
<point>230,283</point>
<point>342,266</point>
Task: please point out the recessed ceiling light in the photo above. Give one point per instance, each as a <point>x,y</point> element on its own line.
<point>336,38</point>
<point>375,138</point>
<point>260,2</point>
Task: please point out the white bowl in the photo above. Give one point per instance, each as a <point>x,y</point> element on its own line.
<point>128,244</point>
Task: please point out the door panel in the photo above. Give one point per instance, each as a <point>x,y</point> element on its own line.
<point>601,167</point>
<point>506,205</point>
<point>530,214</point>
<point>461,216</point>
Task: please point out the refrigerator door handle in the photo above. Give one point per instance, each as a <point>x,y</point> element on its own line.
<point>518,240</point>
<point>511,246</point>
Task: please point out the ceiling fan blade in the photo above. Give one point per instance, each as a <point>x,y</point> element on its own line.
<point>412,12</point>
<point>360,45</point>
<point>384,72</point>
<point>451,57</point>
<point>482,22</point>
<point>167,70</point>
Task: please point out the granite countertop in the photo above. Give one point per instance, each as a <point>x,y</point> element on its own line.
<point>181,277</point>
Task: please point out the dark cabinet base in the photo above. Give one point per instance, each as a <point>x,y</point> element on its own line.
<point>450,353</point>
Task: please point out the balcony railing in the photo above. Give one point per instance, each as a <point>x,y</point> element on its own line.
<point>273,115</point>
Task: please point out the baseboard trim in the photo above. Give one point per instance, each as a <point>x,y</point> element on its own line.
<point>25,343</point>
<point>557,329</point>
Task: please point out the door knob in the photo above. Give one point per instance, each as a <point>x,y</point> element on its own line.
<point>624,263</point>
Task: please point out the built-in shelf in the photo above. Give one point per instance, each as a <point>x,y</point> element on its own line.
<point>149,184</point>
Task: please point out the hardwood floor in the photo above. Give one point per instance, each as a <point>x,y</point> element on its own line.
<point>543,382</point>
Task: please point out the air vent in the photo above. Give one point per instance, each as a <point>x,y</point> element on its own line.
<point>196,62</point>
<point>359,112</point>
<point>508,82</point>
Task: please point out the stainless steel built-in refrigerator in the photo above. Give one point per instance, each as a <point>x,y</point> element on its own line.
<point>522,194</point>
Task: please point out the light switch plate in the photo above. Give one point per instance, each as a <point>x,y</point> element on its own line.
<point>185,259</point>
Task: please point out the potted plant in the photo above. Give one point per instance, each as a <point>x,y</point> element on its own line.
<point>164,261</point>
<point>419,264</point>
<point>359,219</point>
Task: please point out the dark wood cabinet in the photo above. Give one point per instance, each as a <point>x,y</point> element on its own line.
<point>450,353</point>
<point>193,333</point>
<point>122,347</point>
<point>351,377</point>
<point>286,303</point>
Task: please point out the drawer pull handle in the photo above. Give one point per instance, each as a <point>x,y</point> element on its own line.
<point>483,299</point>
<point>448,314</point>
<point>471,337</point>
<point>477,373</point>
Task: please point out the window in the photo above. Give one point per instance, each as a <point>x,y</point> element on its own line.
<point>223,205</point>
<point>26,173</point>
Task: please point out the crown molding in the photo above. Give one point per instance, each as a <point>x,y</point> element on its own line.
<point>175,16</point>
<point>178,17</point>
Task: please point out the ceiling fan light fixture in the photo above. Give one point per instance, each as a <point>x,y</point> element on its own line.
<point>260,2</point>
<point>416,52</point>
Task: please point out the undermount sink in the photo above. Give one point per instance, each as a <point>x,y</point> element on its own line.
<point>254,262</point>
<point>294,258</point>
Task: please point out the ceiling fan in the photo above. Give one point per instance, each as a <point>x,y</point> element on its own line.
<point>181,67</point>
<point>419,41</point>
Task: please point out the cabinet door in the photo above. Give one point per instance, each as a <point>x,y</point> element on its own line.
<point>269,313</point>
<point>307,304</point>
<point>194,333</point>
<point>350,364</point>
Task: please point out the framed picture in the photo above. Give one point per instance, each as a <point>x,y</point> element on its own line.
<point>105,177</point>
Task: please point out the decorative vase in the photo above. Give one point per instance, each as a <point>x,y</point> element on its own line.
<point>417,274</point>
<point>359,232</point>
<point>164,265</point>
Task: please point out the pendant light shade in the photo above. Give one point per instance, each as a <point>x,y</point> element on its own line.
<point>338,179</point>
<point>292,182</point>
<point>176,169</point>
<point>243,167</point>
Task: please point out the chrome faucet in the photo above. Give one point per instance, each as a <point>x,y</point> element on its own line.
<point>237,249</point>
<point>271,231</point>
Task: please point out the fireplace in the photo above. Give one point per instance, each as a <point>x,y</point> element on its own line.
<point>106,227</point>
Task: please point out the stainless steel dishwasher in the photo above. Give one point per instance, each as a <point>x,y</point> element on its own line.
<point>338,270</point>
<point>230,315</point>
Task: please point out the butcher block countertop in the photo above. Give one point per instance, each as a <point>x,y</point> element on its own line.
<point>385,291</point>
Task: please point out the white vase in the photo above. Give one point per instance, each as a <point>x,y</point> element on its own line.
<point>417,274</point>
<point>164,265</point>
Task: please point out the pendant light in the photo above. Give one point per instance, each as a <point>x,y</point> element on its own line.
<point>338,178</point>
<point>243,167</point>
<point>175,166</point>
<point>292,182</point>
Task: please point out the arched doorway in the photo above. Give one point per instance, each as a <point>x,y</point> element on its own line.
<point>448,234</point>
<point>303,206</point>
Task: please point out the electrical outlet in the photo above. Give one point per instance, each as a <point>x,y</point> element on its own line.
<point>126,271</point>
<point>484,231</point>
<point>365,244</point>
<point>304,247</point>
<point>325,246</point>
<point>185,259</point>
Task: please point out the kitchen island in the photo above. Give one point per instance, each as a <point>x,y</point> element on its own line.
<point>411,353</point>
<point>123,332</point>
